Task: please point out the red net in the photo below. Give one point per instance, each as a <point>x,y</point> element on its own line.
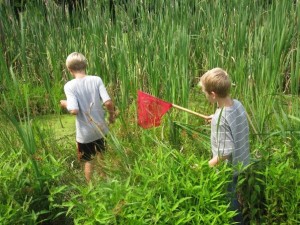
<point>150,110</point>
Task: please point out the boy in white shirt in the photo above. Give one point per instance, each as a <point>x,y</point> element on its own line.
<point>86,96</point>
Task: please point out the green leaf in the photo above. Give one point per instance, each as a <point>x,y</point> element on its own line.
<point>179,202</point>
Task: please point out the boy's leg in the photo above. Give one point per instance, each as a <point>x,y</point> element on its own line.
<point>234,202</point>
<point>86,151</point>
<point>88,170</point>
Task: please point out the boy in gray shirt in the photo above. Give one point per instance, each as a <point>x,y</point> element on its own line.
<point>86,96</point>
<point>229,129</point>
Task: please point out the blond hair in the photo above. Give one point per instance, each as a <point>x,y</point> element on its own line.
<point>76,62</point>
<point>216,80</point>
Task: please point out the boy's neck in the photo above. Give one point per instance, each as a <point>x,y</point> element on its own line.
<point>225,102</point>
<point>78,74</point>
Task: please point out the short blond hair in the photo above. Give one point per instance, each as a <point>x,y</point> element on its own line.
<point>76,62</point>
<point>216,80</point>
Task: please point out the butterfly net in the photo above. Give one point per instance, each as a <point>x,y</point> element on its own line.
<point>150,110</point>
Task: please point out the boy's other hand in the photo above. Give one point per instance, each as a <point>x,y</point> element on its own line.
<point>112,118</point>
<point>213,161</point>
<point>208,120</point>
<point>63,103</point>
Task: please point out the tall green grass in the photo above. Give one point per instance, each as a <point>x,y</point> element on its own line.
<point>158,48</point>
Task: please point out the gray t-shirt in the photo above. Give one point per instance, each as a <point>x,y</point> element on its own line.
<point>230,134</point>
<point>87,95</point>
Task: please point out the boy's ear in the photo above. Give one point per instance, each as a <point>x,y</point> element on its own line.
<point>71,71</point>
<point>214,95</point>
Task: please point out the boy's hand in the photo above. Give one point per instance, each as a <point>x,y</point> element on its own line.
<point>213,161</point>
<point>208,120</point>
<point>63,103</point>
<point>110,107</point>
<point>113,115</point>
<point>112,118</point>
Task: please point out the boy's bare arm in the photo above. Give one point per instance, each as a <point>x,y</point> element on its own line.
<point>110,106</point>
<point>63,103</point>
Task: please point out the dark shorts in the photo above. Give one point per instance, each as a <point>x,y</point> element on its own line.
<point>87,151</point>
